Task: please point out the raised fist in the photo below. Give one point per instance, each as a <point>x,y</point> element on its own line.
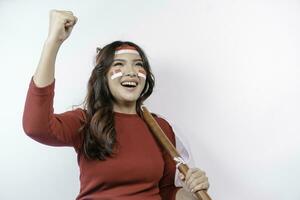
<point>61,25</point>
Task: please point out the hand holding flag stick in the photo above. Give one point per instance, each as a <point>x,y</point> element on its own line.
<point>169,147</point>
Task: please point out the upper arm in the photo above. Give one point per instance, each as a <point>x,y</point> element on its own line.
<point>43,125</point>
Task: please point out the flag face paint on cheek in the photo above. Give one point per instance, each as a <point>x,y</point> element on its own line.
<point>116,73</point>
<point>142,73</point>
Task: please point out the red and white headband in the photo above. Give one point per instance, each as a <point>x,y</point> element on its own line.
<point>126,49</point>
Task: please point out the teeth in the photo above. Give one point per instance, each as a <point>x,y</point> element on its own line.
<point>129,83</point>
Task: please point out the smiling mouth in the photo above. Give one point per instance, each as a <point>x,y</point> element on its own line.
<point>129,84</point>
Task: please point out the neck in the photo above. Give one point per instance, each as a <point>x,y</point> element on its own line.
<point>129,108</point>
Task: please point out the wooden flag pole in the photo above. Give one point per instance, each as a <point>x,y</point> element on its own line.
<point>169,147</point>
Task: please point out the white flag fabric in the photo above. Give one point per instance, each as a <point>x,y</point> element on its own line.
<point>182,146</point>
<point>184,150</point>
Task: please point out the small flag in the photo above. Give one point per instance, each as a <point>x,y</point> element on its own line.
<point>142,73</point>
<point>116,73</point>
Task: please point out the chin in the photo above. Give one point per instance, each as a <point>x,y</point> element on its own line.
<point>130,100</point>
<point>127,99</point>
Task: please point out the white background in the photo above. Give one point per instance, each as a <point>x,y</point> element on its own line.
<point>227,74</point>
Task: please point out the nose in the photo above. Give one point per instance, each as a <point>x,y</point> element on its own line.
<point>131,74</point>
<point>130,71</point>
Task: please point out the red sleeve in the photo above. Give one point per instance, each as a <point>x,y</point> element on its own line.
<point>43,125</point>
<point>167,187</point>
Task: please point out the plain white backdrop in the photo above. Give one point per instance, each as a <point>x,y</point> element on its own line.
<point>227,74</point>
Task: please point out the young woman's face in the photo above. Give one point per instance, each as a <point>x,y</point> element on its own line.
<point>127,88</point>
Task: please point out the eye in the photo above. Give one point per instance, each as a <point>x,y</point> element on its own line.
<point>117,63</point>
<point>140,64</point>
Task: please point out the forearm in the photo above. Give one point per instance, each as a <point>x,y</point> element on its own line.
<point>182,194</point>
<point>44,74</point>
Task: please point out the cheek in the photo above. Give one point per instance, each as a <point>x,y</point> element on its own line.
<point>114,72</point>
<point>143,83</point>
<point>142,73</point>
<point>110,82</point>
<point>142,70</point>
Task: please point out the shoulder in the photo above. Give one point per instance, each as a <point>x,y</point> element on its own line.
<point>79,113</point>
<point>162,120</point>
<point>165,125</point>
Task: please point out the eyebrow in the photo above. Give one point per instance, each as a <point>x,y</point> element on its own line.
<point>125,60</point>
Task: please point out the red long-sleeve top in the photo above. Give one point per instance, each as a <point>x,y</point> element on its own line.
<point>142,170</point>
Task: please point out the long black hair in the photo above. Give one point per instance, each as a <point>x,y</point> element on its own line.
<point>98,129</point>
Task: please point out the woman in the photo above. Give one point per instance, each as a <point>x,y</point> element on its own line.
<point>117,155</point>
